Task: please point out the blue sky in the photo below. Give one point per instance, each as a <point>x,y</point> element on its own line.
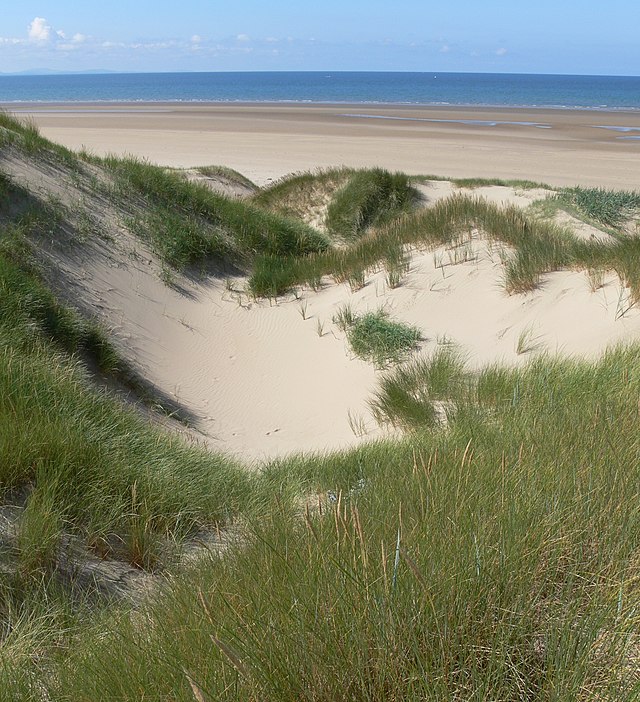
<point>210,35</point>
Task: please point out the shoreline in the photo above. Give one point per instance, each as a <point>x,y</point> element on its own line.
<point>266,141</point>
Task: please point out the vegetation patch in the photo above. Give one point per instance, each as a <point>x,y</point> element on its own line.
<point>228,174</point>
<point>23,134</point>
<point>609,207</point>
<point>538,246</point>
<point>411,395</point>
<point>368,198</point>
<point>303,196</point>
<point>495,557</point>
<point>485,182</point>
<point>190,223</point>
<point>376,338</point>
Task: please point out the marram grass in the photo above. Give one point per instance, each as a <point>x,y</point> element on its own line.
<point>490,554</point>
<point>375,337</point>
<point>493,559</point>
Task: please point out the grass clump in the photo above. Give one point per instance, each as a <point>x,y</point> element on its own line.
<point>23,134</point>
<point>485,182</point>
<point>368,198</point>
<point>344,318</point>
<point>31,309</point>
<point>182,240</point>
<point>376,338</point>
<point>39,532</point>
<point>609,207</point>
<point>411,395</point>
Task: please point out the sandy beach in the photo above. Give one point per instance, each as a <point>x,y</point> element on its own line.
<point>267,141</point>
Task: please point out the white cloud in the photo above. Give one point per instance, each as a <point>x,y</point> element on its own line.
<point>501,51</point>
<point>39,30</point>
<point>79,38</point>
<point>445,49</point>
<point>61,34</point>
<point>196,39</point>
<point>243,37</point>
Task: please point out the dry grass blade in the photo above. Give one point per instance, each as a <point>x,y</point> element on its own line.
<point>231,656</point>
<point>196,689</point>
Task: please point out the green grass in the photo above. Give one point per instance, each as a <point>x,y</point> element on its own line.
<point>539,246</point>
<point>188,223</point>
<point>609,207</point>
<point>368,198</point>
<point>485,182</point>
<point>494,559</point>
<point>535,247</point>
<point>376,338</point>
<point>30,308</point>
<point>408,396</point>
<point>302,194</point>
<point>24,135</point>
<point>347,201</point>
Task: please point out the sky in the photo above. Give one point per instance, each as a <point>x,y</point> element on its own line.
<point>546,36</point>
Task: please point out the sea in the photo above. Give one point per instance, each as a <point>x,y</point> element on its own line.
<point>456,89</point>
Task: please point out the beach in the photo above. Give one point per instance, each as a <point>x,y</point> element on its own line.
<point>267,141</point>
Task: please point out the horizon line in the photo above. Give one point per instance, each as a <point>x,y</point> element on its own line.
<point>43,72</point>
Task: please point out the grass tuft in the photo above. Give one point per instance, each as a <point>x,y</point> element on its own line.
<point>376,338</point>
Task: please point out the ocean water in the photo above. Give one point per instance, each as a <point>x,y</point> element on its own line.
<point>586,92</point>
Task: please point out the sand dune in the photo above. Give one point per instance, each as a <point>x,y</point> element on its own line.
<point>263,379</point>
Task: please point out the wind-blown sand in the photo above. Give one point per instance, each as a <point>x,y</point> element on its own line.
<point>267,141</point>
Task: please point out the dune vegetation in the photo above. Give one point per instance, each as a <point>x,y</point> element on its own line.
<point>486,550</point>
